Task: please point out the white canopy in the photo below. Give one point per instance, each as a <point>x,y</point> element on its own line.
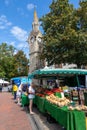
<point>3,82</point>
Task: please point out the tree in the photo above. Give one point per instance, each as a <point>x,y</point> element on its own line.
<point>82,14</point>
<point>6,60</point>
<point>2,73</point>
<point>21,63</point>
<point>63,37</point>
<point>11,64</point>
<point>80,51</point>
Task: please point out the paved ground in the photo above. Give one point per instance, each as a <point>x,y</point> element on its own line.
<point>42,122</point>
<point>14,117</point>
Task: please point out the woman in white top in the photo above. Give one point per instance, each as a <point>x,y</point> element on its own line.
<point>31,96</point>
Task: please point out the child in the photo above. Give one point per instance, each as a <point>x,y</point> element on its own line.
<point>19,93</point>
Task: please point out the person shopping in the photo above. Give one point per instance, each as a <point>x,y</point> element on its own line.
<point>31,96</point>
<point>15,88</point>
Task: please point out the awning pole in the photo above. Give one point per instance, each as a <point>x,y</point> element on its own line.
<point>78,84</point>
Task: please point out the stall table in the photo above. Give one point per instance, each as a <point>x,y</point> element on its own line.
<point>71,120</point>
<point>40,101</point>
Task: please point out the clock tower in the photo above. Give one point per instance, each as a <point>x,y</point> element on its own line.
<point>35,46</point>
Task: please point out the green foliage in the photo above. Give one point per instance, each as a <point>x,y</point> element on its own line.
<point>65,33</point>
<point>9,63</point>
<point>21,63</point>
<point>2,72</point>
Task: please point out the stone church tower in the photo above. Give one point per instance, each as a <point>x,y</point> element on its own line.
<point>35,40</point>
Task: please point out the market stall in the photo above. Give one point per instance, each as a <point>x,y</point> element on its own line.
<point>68,115</point>
<point>3,82</point>
<point>56,73</point>
<point>73,75</point>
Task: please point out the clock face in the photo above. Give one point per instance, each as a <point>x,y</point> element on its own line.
<point>32,39</point>
<point>39,39</point>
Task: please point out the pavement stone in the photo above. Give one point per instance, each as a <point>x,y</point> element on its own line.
<point>15,117</point>
<point>43,124</point>
<point>12,116</point>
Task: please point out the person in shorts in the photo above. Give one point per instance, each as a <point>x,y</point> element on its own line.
<point>19,93</point>
<point>31,96</point>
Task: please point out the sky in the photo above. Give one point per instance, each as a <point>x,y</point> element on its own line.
<point>16,17</point>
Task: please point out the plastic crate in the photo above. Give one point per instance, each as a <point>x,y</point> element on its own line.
<point>24,100</point>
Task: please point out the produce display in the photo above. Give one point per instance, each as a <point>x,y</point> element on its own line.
<point>40,95</point>
<point>56,90</point>
<point>51,96</point>
<point>43,91</point>
<point>78,107</point>
<point>64,102</point>
<point>58,101</point>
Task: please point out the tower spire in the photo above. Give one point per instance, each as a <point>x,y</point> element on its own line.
<point>35,15</point>
<point>35,24</point>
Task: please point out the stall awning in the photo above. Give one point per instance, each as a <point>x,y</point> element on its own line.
<point>44,72</point>
<point>3,82</point>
